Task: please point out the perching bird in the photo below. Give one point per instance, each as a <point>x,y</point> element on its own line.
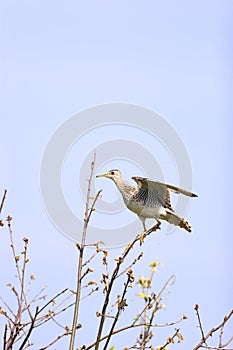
<point>150,199</point>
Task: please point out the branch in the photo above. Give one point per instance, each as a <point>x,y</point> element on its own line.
<point>143,324</point>
<point>21,323</point>
<point>213,330</point>
<point>196,308</point>
<point>3,200</point>
<point>55,340</point>
<point>227,343</point>
<point>23,296</point>
<point>171,339</point>
<point>120,260</point>
<point>131,265</point>
<point>52,300</point>
<point>4,337</point>
<point>87,217</point>
<point>121,305</point>
<point>30,329</point>
<point>214,348</point>
<point>9,309</point>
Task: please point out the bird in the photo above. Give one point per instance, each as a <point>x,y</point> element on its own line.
<point>149,199</point>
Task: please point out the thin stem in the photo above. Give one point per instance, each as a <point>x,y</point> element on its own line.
<point>23,296</point>
<point>170,340</point>
<point>120,307</point>
<point>30,329</point>
<point>14,330</point>
<point>113,278</point>
<point>55,340</point>
<point>3,200</point>
<point>51,300</point>
<point>125,328</point>
<point>4,337</point>
<point>81,253</point>
<point>213,330</point>
<point>228,342</point>
<point>196,308</point>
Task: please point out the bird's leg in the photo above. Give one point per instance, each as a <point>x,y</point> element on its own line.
<point>143,234</point>
<point>157,226</point>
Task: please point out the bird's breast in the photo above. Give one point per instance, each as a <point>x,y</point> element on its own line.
<point>146,211</point>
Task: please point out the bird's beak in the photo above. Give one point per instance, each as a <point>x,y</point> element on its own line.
<point>103,175</point>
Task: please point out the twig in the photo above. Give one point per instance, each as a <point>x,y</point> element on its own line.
<point>213,330</point>
<point>196,308</point>
<point>95,199</point>
<point>14,330</point>
<point>38,296</point>
<point>152,301</point>
<point>51,300</point>
<point>131,265</point>
<point>90,259</point>
<point>125,328</point>
<point>120,260</point>
<point>220,336</point>
<point>55,340</point>
<point>81,252</point>
<point>170,339</point>
<point>8,307</point>
<point>18,328</point>
<point>3,200</point>
<point>120,308</point>
<point>93,290</point>
<point>42,320</point>
<point>215,348</point>
<point>23,296</point>
<point>4,337</point>
<point>56,322</point>
<point>16,258</point>
<point>30,329</point>
<point>228,342</point>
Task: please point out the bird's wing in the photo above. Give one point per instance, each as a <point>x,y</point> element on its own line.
<point>180,190</point>
<point>143,181</point>
<point>156,192</point>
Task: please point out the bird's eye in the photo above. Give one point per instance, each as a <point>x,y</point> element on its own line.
<point>112,173</point>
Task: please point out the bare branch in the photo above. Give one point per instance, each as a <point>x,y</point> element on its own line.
<point>214,348</point>
<point>227,343</point>
<point>52,300</point>
<point>120,260</point>
<point>30,329</point>
<point>23,296</point>
<point>129,327</point>
<point>131,265</point>
<point>211,332</point>
<point>170,339</point>
<point>56,340</point>
<point>121,306</point>
<point>196,308</point>
<point>5,337</point>
<point>87,216</point>
<point>8,307</point>
<point>3,200</point>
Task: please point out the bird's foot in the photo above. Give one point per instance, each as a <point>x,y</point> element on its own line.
<point>146,232</point>
<point>142,237</point>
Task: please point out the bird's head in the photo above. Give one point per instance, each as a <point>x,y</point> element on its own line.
<point>113,174</point>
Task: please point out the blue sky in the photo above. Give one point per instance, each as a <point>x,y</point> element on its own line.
<point>169,57</point>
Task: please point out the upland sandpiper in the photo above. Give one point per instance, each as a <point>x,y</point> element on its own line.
<point>149,199</point>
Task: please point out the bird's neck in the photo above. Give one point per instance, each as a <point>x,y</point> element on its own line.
<point>125,189</point>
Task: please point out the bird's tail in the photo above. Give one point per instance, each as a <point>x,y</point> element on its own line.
<point>174,219</point>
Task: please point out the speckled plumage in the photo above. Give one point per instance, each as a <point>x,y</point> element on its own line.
<point>149,199</point>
